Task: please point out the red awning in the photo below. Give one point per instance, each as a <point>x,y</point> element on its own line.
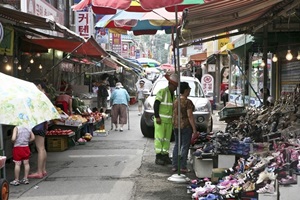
<point>87,48</point>
<point>198,56</point>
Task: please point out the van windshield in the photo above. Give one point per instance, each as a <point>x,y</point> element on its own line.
<point>196,89</point>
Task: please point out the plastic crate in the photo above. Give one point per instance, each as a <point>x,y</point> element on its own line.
<point>57,143</point>
<point>232,112</point>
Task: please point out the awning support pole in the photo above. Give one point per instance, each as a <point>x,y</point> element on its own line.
<point>48,71</point>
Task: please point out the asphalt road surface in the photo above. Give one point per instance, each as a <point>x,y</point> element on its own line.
<point>118,166</point>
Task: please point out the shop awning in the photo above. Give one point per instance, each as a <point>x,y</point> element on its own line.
<point>89,48</point>
<point>198,57</point>
<point>215,17</point>
<point>86,48</point>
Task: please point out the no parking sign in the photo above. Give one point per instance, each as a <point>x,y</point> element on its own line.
<point>207,82</point>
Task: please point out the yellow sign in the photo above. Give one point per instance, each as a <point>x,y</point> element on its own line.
<point>223,42</point>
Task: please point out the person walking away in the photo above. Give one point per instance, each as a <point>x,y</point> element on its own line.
<point>163,127</point>
<point>119,101</point>
<point>102,96</point>
<point>40,132</point>
<point>20,138</point>
<point>141,96</point>
<point>187,127</point>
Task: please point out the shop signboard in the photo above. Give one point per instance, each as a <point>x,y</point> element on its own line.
<point>84,23</point>
<point>116,43</point>
<point>132,51</point>
<point>43,9</point>
<point>125,49</point>
<point>207,82</point>
<point>137,54</point>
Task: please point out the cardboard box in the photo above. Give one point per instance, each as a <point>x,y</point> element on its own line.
<point>226,161</point>
<point>57,143</point>
<point>202,167</point>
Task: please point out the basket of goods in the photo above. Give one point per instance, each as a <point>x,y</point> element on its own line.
<point>87,137</point>
<point>81,141</point>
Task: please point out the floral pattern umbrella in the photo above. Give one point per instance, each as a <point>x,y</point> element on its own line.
<point>23,104</point>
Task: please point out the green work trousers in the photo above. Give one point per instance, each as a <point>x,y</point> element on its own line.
<point>162,136</point>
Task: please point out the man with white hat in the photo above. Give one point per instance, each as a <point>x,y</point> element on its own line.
<point>163,127</point>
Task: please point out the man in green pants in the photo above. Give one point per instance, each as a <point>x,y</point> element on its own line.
<point>163,127</point>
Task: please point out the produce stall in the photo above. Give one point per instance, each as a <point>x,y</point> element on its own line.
<point>59,140</point>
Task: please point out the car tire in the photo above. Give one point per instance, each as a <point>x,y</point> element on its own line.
<point>147,131</point>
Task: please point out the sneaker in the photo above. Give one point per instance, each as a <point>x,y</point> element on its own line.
<point>15,182</point>
<point>139,114</point>
<point>116,129</point>
<point>121,129</point>
<point>24,181</point>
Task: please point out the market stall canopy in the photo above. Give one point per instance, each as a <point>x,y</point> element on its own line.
<point>139,23</point>
<point>111,6</point>
<point>148,62</point>
<point>221,16</point>
<point>88,48</point>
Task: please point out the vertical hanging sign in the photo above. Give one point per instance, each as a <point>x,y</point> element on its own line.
<point>82,24</point>
<point>207,82</point>
<point>116,43</point>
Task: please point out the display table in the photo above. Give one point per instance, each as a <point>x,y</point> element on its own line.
<point>79,131</point>
<point>60,142</point>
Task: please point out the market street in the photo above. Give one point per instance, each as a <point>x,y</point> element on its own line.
<point>118,166</point>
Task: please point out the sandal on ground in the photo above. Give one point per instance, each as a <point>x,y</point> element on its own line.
<point>185,170</point>
<point>15,182</point>
<point>35,175</point>
<point>45,174</point>
<point>174,169</point>
<point>24,181</point>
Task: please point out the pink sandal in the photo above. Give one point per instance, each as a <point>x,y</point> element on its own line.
<point>35,175</point>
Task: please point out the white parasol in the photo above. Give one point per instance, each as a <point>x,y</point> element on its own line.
<point>22,103</point>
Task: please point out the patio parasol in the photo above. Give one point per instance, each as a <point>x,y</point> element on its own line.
<point>111,7</point>
<point>167,67</point>
<point>139,23</point>
<point>23,104</point>
<point>148,61</point>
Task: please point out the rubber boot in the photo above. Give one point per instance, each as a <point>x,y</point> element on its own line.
<point>167,159</point>
<point>159,159</point>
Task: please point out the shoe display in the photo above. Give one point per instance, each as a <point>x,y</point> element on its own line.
<point>269,188</point>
